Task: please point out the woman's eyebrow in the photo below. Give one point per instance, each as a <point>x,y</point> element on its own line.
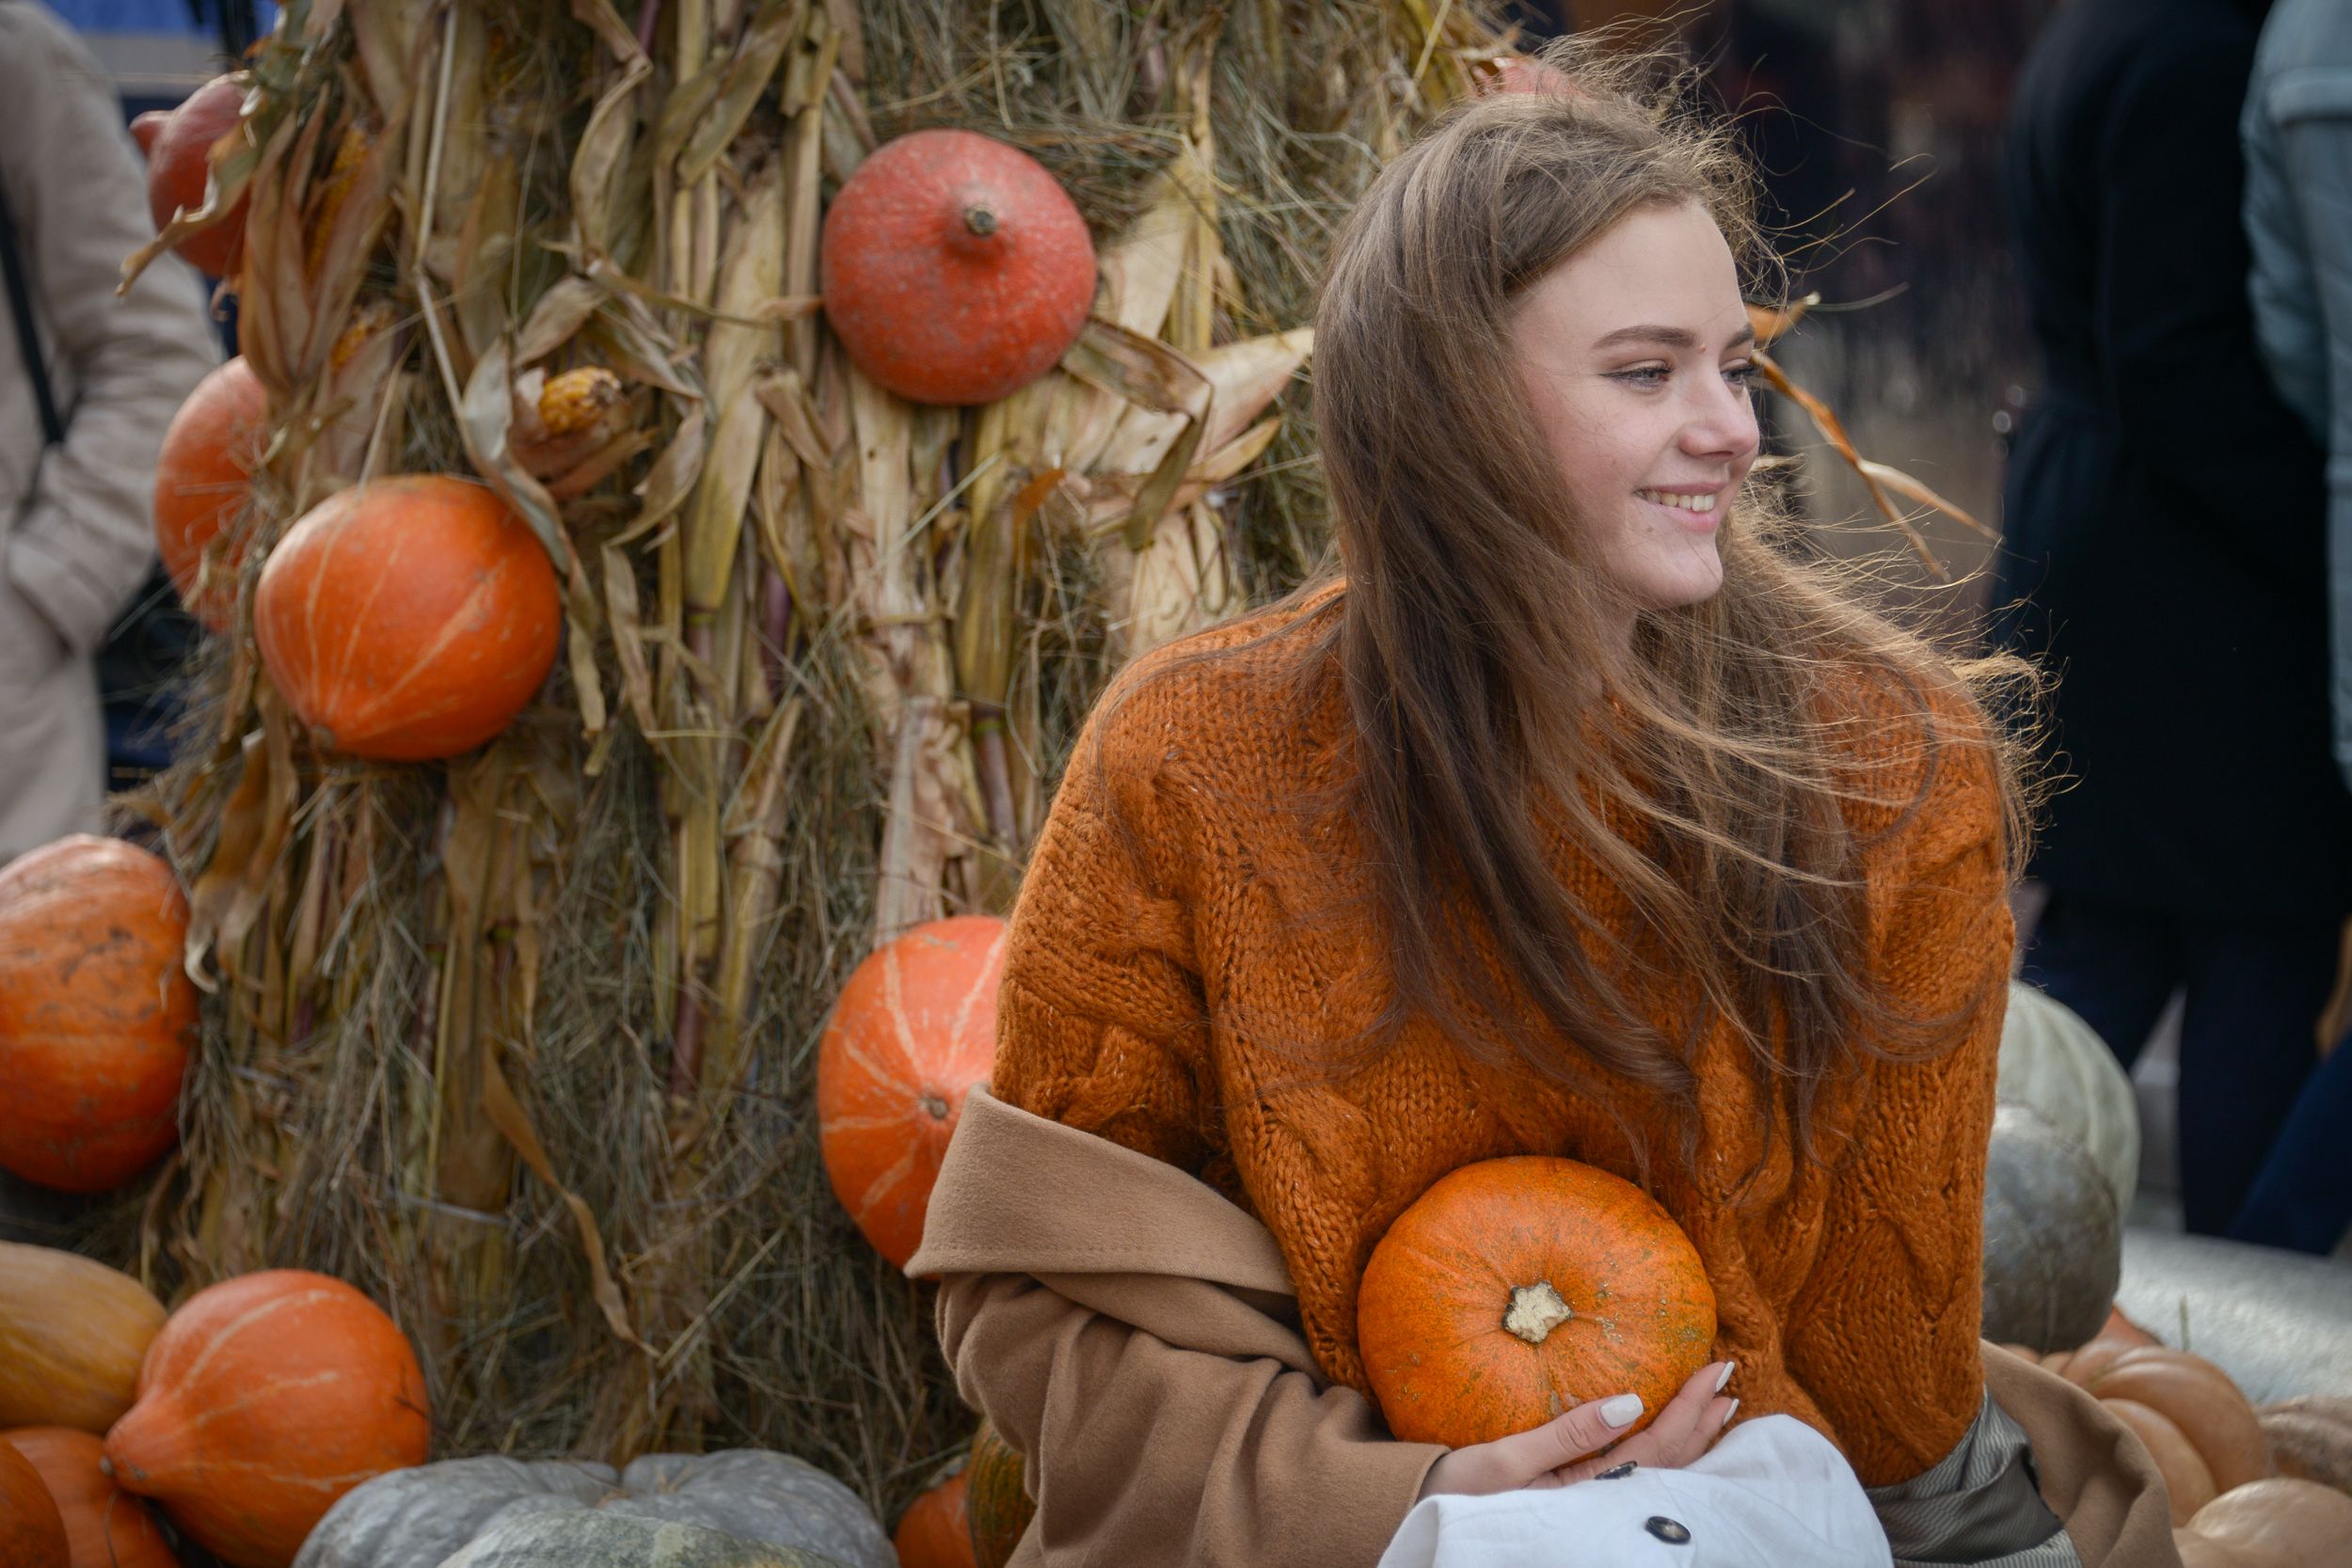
<point>1669,336</point>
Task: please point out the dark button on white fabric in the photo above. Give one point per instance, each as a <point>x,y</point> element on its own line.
<point>1670,1531</point>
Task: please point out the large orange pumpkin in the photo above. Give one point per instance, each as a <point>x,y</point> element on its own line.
<point>956,269</point>
<point>1515,1289</point>
<point>936,1530</point>
<point>104,1525</point>
<point>266,1398</point>
<point>914,1030</point>
<point>95,1011</point>
<point>179,144</point>
<point>209,454</point>
<point>409,618</point>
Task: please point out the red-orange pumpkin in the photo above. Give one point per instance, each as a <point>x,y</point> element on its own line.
<point>95,1011</point>
<point>208,458</point>
<point>179,144</point>
<point>104,1525</point>
<point>936,1530</point>
<point>956,269</point>
<point>32,1535</point>
<point>264,1399</point>
<point>409,618</point>
<point>914,1030</point>
<point>1515,1289</point>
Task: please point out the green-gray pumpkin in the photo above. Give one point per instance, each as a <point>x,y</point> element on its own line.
<point>2054,1062</point>
<point>420,1518</point>
<point>2053,1243</point>
<point>549,1536</point>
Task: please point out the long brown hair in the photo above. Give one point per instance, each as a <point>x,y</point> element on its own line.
<point>1708,774</point>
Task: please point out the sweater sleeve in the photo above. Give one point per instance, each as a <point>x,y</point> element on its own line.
<point>1101,1023</point>
<point>1165,1419</point>
<point>1883,1332</point>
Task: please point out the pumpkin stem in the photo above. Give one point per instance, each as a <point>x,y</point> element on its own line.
<point>933,1103</point>
<point>978,220</point>
<point>1534,1311</point>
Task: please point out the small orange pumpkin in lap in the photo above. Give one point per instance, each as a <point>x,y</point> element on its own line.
<point>1515,1289</point>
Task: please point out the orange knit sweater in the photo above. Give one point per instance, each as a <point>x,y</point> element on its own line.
<point>1177,991</point>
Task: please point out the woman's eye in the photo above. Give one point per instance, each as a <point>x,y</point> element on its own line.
<point>1741,375</point>
<point>1642,375</point>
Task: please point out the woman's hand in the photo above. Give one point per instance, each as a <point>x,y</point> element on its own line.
<point>1571,1447</point>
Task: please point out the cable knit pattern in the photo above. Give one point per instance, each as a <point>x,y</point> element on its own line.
<point>1189,951</point>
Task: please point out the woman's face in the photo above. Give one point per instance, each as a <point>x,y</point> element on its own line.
<point>1635,357</point>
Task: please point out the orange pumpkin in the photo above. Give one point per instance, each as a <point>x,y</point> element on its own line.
<point>914,1030</point>
<point>104,1525</point>
<point>179,145</point>
<point>956,269</point>
<point>2198,1426</point>
<point>209,454</point>
<point>936,1530</point>
<point>1517,1288</point>
<point>409,618</point>
<point>95,1011</point>
<point>264,1399</point>
<point>996,1497</point>
<point>32,1535</point>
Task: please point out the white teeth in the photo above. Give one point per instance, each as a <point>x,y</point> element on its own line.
<point>1688,503</point>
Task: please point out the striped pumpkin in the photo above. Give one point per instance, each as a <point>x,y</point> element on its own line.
<point>264,1399</point>
<point>913,1031</point>
<point>409,618</point>
<point>202,476</point>
<point>996,1497</point>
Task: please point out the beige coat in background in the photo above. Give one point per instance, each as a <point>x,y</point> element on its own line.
<point>1108,1309</point>
<point>75,532</point>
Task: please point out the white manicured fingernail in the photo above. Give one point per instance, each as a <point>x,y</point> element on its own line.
<point>1724,1376</point>
<point>1733,1410</point>
<point>1623,1410</point>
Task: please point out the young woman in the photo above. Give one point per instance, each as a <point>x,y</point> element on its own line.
<point>1577,815</point>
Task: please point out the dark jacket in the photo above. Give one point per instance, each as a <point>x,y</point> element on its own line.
<point>2165,511</point>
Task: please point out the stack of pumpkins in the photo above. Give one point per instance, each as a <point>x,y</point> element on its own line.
<point>2059,1176</point>
<point>242,1415</point>
<point>280,1418</point>
<point>2248,1489</point>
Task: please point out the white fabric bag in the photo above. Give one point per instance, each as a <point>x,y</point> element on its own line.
<point>1772,1493</point>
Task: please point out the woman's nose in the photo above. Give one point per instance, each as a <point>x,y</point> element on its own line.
<point>1722,423</point>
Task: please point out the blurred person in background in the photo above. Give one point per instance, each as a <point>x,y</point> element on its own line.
<point>2297,136</point>
<point>88,384</point>
<point>2164,553</point>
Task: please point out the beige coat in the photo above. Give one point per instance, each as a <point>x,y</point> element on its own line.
<point>1129,1324</point>
<point>75,532</point>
